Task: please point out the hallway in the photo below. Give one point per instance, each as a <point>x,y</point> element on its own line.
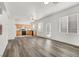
<point>39,47</point>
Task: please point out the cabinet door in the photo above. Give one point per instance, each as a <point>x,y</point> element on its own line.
<point>18,33</point>
<point>72,24</point>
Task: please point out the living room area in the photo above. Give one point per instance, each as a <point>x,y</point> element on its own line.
<point>39,29</point>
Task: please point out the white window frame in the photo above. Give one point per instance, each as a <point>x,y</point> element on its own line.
<point>50,28</point>
<point>67,23</point>
<point>40,27</point>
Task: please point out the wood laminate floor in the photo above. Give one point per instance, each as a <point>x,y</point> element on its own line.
<point>39,47</point>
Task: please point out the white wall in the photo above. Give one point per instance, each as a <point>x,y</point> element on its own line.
<point>7,32</point>
<point>54,20</point>
<point>11,29</point>
<point>4,36</point>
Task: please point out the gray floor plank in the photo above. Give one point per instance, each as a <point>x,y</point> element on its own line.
<point>39,47</point>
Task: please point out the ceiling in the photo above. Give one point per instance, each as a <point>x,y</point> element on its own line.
<point>36,10</point>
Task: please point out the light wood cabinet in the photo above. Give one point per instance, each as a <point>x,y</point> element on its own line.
<point>29,32</point>
<point>18,33</point>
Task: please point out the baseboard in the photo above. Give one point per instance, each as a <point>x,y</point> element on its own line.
<point>59,41</point>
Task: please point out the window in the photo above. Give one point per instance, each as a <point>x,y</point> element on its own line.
<point>64,24</point>
<point>72,24</point>
<point>68,24</point>
<point>40,27</point>
<point>48,29</point>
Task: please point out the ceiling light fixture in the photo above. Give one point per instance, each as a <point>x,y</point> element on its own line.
<point>46,2</point>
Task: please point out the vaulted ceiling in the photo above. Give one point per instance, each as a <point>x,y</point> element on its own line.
<point>36,10</point>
